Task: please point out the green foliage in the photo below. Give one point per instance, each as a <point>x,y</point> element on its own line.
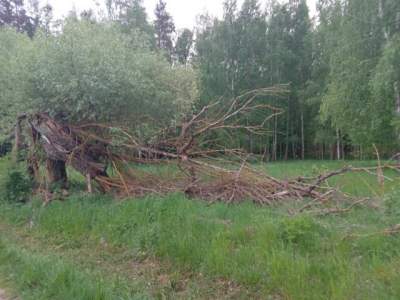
<point>356,35</point>
<point>92,72</point>
<point>164,28</point>
<point>16,55</point>
<point>342,72</point>
<point>183,46</point>
<point>385,80</point>
<point>342,69</point>
<point>14,13</point>
<point>131,17</point>
<point>17,186</point>
<point>250,49</point>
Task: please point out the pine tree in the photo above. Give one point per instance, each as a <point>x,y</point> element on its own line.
<point>164,27</point>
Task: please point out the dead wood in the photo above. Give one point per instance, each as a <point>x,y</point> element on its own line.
<point>212,174</point>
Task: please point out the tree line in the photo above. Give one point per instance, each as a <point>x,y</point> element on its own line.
<point>342,66</point>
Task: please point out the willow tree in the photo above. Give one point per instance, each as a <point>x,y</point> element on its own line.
<point>93,73</point>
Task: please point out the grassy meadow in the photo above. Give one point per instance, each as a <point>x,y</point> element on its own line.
<point>94,247</point>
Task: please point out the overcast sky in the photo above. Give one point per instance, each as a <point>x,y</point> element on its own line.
<point>184,12</point>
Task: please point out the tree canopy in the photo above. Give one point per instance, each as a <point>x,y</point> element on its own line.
<point>92,73</point>
<point>341,68</point>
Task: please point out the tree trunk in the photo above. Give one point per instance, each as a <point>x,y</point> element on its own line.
<point>267,147</point>
<point>275,141</point>
<point>56,173</point>
<point>302,135</point>
<point>294,156</point>
<point>89,183</point>
<point>17,142</point>
<point>286,156</point>
<point>381,16</point>
<point>397,97</point>
<point>287,130</point>
<point>338,148</point>
<point>386,36</point>
<point>343,151</point>
<point>250,138</point>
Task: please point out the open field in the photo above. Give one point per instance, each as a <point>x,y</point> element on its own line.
<point>93,247</point>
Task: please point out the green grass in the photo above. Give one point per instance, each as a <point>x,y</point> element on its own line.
<point>357,184</point>
<point>85,247</point>
<point>47,277</point>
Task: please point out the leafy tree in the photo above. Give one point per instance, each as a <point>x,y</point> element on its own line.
<point>385,85</point>
<point>132,17</point>
<point>13,13</point>
<point>217,46</point>
<point>209,58</point>
<point>348,102</point>
<point>46,18</point>
<point>91,72</point>
<point>16,57</point>
<point>136,17</point>
<point>248,50</point>
<point>343,70</point>
<point>183,46</point>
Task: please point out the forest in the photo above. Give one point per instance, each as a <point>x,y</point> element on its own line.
<point>341,67</point>
<point>252,156</point>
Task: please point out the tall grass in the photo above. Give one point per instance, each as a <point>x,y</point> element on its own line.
<point>47,277</point>
<point>296,257</point>
<point>263,249</point>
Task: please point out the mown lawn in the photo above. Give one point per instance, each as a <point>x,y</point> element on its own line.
<point>93,247</point>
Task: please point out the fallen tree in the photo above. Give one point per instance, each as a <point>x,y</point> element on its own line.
<point>109,156</point>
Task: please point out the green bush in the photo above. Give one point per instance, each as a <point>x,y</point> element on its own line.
<point>18,186</point>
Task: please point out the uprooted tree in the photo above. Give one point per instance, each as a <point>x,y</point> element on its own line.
<point>111,156</point>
